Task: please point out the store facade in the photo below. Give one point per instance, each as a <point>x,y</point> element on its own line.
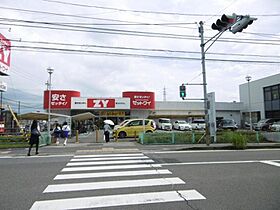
<point>134,104</point>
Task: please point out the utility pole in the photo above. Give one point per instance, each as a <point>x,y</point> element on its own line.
<point>248,78</point>
<point>50,71</point>
<point>207,134</point>
<point>164,93</point>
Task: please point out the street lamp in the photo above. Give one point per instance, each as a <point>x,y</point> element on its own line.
<point>50,71</point>
<point>248,78</point>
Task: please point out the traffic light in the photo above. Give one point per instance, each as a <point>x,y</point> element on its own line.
<point>242,22</point>
<point>183,91</point>
<point>224,23</point>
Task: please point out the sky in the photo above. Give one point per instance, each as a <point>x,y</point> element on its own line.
<point>102,48</point>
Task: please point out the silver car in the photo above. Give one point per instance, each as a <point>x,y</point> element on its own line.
<point>275,126</point>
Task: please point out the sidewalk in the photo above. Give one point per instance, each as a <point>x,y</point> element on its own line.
<point>123,146</point>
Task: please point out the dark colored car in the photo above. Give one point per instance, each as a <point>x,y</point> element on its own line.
<point>265,124</point>
<point>227,124</point>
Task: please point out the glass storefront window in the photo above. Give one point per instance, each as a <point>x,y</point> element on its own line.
<point>267,94</point>
<point>275,92</point>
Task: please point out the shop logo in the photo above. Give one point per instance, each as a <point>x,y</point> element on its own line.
<point>141,103</point>
<point>101,103</point>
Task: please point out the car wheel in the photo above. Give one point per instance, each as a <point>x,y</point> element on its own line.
<point>148,131</point>
<point>122,135</point>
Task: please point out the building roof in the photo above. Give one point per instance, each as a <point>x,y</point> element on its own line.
<point>44,116</point>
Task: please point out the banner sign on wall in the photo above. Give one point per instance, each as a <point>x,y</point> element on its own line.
<point>5,55</point>
<point>141,100</point>
<point>60,99</point>
<point>100,103</point>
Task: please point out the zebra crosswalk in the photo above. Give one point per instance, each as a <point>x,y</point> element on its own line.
<point>85,173</point>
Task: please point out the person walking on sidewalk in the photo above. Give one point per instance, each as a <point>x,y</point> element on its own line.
<point>34,138</point>
<point>65,132</point>
<point>107,130</point>
<point>57,132</point>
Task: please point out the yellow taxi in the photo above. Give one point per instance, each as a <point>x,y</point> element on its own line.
<point>133,127</point>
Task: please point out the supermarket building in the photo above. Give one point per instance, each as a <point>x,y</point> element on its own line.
<point>134,104</point>
<point>264,94</point>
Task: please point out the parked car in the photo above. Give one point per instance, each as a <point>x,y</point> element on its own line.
<point>198,124</point>
<point>265,124</point>
<point>275,126</point>
<point>133,127</point>
<point>182,125</point>
<point>164,124</point>
<point>227,124</point>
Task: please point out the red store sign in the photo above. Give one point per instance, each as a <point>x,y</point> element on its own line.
<point>140,100</point>
<point>5,55</point>
<point>60,99</point>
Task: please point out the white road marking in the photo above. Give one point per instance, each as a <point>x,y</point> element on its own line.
<point>112,184</point>
<point>215,162</point>
<point>112,174</point>
<point>109,155</point>
<point>110,158</point>
<point>6,152</point>
<point>118,200</point>
<point>110,167</point>
<point>271,163</point>
<point>206,151</point>
<point>109,162</point>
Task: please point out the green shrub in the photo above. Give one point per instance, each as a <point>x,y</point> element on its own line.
<point>238,140</point>
<point>170,138</point>
<point>14,139</point>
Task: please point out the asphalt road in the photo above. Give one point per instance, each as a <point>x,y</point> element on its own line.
<point>135,179</point>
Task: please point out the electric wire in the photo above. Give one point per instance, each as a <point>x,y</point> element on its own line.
<point>136,33</point>
<point>138,49</point>
<point>143,11</point>
<point>107,53</point>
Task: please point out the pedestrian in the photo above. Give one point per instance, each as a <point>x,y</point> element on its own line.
<point>107,130</point>
<point>65,132</point>
<point>34,138</point>
<point>57,132</point>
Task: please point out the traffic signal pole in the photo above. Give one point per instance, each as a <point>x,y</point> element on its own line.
<point>234,23</point>
<point>207,133</point>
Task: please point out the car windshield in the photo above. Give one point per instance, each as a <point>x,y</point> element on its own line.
<point>164,121</point>
<point>228,122</point>
<point>123,122</point>
<point>199,121</point>
<point>182,122</point>
<point>262,121</point>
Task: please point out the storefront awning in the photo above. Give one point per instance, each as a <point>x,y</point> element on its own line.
<point>39,116</point>
<point>83,116</point>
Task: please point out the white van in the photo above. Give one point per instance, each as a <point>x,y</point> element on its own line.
<point>164,124</point>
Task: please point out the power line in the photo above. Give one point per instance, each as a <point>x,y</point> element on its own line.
<point>110,31</point>
<point>75,24</point>
<point>139,49</point>
<point>61,14</point>
<point>106,53</point>
<point>142,11</point>
<point>142,33</point>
